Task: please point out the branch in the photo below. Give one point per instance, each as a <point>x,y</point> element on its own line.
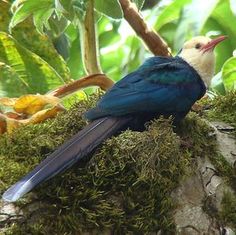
<point>152,39</point>
<point>100,80</point>
<point>89,42</point>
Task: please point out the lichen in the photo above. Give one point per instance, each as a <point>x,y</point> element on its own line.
<point>124,188</point>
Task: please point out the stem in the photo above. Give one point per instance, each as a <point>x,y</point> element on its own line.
<point>89,42</point>
<point>151,38</point>
<point>100,80</point>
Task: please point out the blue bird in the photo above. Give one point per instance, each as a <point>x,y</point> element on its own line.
<point>161,86</point>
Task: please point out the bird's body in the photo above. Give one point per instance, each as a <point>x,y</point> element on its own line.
<point>161,86</point>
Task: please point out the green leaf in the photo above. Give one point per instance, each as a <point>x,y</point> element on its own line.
<point>36,74</point>
<point>223,51</point>
<point>139,3</point>
<point>74,62</point>
<point>110,8</point>
<point>229,74</point>
<point>10,83</point>
<point>224,16</point>
<point>27,35</point>
<point>233,6</point>
<point>217,84</point>
<point>170,13</point>
<point>192,20</point>
<point>4,15</point>
<point>28,8</point>
<point>41,19</point>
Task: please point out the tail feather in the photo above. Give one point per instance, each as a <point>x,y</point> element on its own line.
<point>65,156</point>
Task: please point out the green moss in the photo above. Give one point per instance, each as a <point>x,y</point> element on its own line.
<point>125,187</point>
<point>223,108</point>
<point>228,213</point>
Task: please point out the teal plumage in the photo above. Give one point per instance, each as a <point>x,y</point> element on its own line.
<point>161,86</point>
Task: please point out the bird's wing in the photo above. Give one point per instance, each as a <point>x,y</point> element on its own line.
<point>151,89</point>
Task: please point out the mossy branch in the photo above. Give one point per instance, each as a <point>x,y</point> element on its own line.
<point>151,38</point>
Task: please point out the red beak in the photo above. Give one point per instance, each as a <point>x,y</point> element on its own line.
<point>211,45</point>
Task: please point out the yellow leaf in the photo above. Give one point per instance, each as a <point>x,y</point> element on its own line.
<point>31,104</point>
<point>8,101</point>
<point>45,114</point>
<point>13,123</point>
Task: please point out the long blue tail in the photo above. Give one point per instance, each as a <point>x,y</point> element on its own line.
<point>68,154</point>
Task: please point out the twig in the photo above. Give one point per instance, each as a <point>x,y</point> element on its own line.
<point>100,80</point>
<point>152,39</point>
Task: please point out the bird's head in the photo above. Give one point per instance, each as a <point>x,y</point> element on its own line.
<point>199,53</point>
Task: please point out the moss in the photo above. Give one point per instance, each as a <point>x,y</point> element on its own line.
<point>124,189</point>
<point>228,213</point>
<point>223,108</point>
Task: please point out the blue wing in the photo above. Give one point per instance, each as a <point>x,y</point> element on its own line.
<point>161,85</point>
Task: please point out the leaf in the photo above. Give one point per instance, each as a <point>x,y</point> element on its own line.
<point>192,20</point>
<point>8,101</point>
<point>13,124</point>
<point>41,18</point>
<point>27,8</point>
<point>5,15</point>
<point>139,3</point>
<point>41,45</point>
<point>229,74</point>
<point>110,8</point>
<point>233,6</point>
<point>10,83</point>
<point>35,75</point>
<point>217,84</point>
<point>224,16</point>
<point>74,62</point>
<point>170,13</point>
<point>31,104</point>
<point>45,114</point>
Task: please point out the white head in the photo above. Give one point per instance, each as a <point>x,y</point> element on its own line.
<point>199,53</point>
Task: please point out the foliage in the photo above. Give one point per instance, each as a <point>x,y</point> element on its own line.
<point>27,109</point>
<point>61,21</point>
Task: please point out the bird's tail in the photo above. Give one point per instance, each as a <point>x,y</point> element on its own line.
<point>69,153</point>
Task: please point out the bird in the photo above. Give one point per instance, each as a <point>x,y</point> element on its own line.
<point>166,86</point>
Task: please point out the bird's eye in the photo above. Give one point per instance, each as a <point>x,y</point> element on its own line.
<point>198,45</point>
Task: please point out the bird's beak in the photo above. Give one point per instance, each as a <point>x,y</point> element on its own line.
<point>211,45</point>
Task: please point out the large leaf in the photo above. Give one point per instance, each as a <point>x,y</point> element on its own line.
<point>10,83</point>
<point>224,16</point>
<point>170,13</point>
<point>31,7</point>
<point>74,62</point>
<point>229,74</point>
<point>4,15</point>
<point>110,8</point>
<point>223,51</point>
<point>35,73</point>
<point>192,19</point>
<point>27,35</point>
